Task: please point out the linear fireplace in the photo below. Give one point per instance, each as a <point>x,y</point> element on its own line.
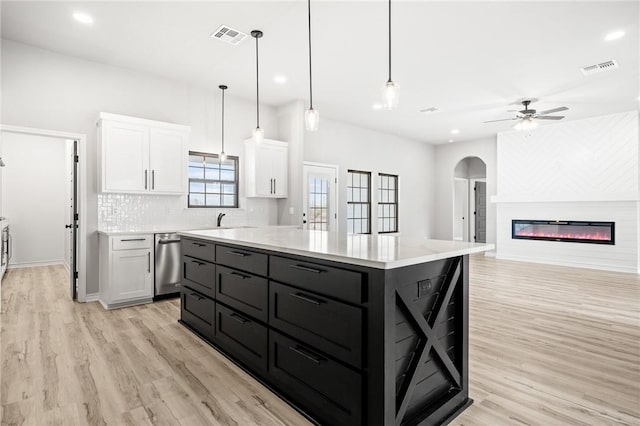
<point>563,230</point>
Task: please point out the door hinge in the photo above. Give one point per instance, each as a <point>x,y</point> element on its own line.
<point>336,180</point>
<point>76,158</point>
<point>75,216</point>
<point>75,274</point>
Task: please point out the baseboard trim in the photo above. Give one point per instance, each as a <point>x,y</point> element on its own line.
<point>36,264</point>
<point>628,270</point>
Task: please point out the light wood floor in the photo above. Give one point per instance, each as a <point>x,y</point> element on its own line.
<point>548,346</point>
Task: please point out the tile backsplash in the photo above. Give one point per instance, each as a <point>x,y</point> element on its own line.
<point>125,212</point>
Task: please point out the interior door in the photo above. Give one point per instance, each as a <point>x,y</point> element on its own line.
<point>320,198</point>
<point>481,212</point>
<point>460,209</point>
<point>73,273</point>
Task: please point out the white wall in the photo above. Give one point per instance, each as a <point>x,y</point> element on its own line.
<point>352,147</point>
<point>447,156</point>
<point>578,170</point>
<point>34,191</point>
<point>42,89</point>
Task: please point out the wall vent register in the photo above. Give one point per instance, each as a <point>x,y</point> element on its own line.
<point>567,231</point>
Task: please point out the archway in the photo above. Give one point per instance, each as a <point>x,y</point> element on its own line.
<point>470,200</point>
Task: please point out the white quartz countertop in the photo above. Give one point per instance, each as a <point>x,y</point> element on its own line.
<point>375,251</point>
<point>169,229</point>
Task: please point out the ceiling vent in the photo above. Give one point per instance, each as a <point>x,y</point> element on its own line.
<point>429,110</point>
<point>601,67</point>
<point>228,35</point>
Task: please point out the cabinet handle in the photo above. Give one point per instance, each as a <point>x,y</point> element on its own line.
<point>307,298</point>
<point>311,357</point>
<point>149,262</point>
<point>238,274</point>
<point>239,318</point>
<point>307,269</point>
<point>197,263</point>
<point>274,185</point>
<point>146,178</point>
<point>153,179</point>
<point>237,253</point>
<point>196,296</point>
<point>198,244</point>
<point>132,239</point>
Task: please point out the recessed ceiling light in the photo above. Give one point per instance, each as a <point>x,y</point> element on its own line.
<point>614,35</point>
<point>455,131</point>
<point>280,79</point>
<point>376,106</point>
<point>83,18</point>
<point>450,140</point>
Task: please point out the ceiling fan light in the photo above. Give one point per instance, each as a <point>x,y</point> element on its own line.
<point>258,135</point>
<point>311,119</point>
<point>390,95</point>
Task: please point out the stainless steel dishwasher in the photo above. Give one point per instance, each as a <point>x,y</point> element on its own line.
<point>167,264</point>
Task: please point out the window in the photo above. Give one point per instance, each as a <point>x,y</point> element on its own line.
<point>387,203</point>
<point>212,183</point>
<point>358,202</point>
<point>318,219</point>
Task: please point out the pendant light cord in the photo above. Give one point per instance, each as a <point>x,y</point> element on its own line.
<point>389,41</point>
<point>222,120</point>
<point>310,79</point>
<point>257,88</point>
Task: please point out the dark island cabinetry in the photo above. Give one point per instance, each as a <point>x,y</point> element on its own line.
<point>345,344</point>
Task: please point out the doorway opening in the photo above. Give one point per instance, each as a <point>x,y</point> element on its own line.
<point>320,197</point>
<point>43,197</point>
<point>470,200</point>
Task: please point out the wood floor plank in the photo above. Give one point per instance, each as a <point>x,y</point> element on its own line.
<point>548,345</point>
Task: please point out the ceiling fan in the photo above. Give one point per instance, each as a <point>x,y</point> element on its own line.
<point>526,117</point>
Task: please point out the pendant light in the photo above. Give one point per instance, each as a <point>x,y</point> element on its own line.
<point>390,90</point>
<point>223,156</point>
<point>258,133</point>
<point>311,116</point>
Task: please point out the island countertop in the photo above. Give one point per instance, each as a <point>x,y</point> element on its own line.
<point>375,251</point>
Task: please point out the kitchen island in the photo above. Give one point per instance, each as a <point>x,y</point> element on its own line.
<point>357,329</point>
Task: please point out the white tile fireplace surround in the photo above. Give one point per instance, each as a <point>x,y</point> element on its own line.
<point>585,170</point>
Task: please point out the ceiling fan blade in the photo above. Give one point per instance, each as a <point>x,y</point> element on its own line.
<point>550,117</point>
<point>550,111</point>
<point>502,119</point>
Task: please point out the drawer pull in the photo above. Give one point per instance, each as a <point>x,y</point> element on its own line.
<point>197,263</point>
<point>239,318</point>
<point>311,357</point>
<point>306,298</point>
<point>307,269</point>
<point>133,239</point>
<point>196,296</point>
<point>198,244</point>
<point>237,253</point>
<point>238,274</point>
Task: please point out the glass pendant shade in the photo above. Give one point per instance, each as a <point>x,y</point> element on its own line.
<point>311,119</point>
<point>223,157</point>
<point>258,135</point>
<point>390,95</point>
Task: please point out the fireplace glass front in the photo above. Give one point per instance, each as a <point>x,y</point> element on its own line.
<point>560,230</point>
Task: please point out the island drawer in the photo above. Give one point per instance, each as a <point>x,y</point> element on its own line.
<point>340,283</point>
<point>331,326</point>
<point>245,292</point>
<point>242,337</point>
<point>326,388</point>
<point>245,260</point>
<point>198,311</point>
<point>198,249</point>
<point>199,275</point>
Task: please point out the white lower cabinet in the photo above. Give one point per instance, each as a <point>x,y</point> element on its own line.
<point>126,270</point>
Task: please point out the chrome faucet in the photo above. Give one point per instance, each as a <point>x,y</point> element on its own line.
<point>220,216</point>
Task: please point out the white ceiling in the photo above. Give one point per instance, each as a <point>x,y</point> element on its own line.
<point>470,59</point>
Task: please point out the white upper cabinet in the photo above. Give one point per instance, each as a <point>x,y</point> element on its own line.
<point>141,156</point>
<point>266,166</point>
